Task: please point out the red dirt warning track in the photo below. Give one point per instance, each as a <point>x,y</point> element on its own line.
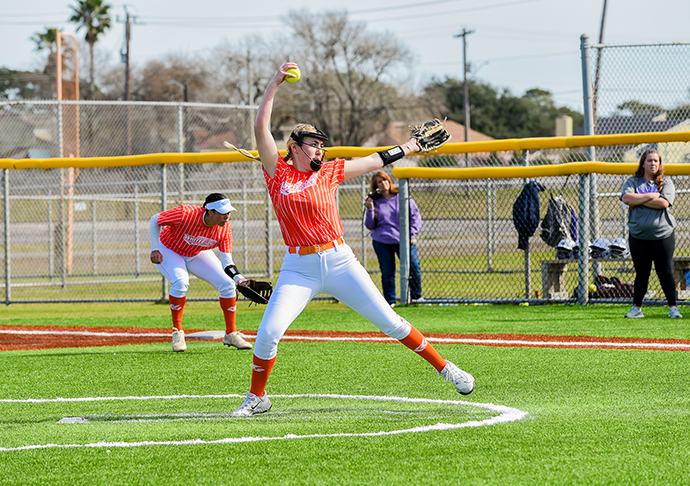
<point>51,337</point>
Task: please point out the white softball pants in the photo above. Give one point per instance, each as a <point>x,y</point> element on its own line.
<point>206,266</point>
<point>335,272</point>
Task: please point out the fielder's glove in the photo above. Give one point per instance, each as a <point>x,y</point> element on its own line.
<point>431,135</point>
<point>257,292</point>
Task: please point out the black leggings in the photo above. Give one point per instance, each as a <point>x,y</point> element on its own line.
<point>643,253</point>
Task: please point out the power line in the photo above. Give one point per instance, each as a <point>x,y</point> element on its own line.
<point>32,15</point>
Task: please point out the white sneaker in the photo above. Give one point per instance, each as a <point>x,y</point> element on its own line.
<point>635,312</point>
<point>463,381</point>
<point>252,405</point>
<point>178,341</point>
<point>674,313</point>
<point>236,339</point>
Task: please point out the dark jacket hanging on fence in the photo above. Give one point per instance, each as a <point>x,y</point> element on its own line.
<point>526,212</point>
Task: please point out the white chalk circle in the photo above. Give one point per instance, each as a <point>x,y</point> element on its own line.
<point>488,414</point>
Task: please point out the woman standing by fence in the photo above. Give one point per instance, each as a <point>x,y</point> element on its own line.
<point>649,196</point>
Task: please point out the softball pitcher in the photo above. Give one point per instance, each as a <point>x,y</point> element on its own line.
<point>317,260</point>
<point>186,245</point>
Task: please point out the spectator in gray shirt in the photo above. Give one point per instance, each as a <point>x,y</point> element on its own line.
<point>649,196</point>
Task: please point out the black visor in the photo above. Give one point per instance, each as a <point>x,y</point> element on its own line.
<point>300,136</point>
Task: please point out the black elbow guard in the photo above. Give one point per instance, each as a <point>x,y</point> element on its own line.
<point>391,155</point>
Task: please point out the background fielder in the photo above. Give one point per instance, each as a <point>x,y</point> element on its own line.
<point>185,246</point>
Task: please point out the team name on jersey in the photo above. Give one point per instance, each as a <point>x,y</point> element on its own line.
<point>201,241</point>
<point>647,187</point>
<point>292,187</point>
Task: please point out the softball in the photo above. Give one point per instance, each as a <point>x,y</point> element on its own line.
<point>295,71</point>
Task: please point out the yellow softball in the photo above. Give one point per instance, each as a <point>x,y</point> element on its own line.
<point>294,71</point>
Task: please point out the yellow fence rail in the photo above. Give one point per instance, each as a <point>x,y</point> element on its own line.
<point>352,152</point>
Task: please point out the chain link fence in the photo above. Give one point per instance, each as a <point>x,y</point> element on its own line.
<point>42,129</point>
<point>74,235</point>
<point>641,88</point>
<point>85,236</point>
<point>468,246</point>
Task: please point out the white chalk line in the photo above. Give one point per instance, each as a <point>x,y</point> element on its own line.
<point>491,341</point>
<point>507,414</point>
<point>86,333</point>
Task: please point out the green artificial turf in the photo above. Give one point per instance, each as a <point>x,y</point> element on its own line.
<point>595,416</point>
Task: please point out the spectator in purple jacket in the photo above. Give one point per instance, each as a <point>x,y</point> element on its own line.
<point>382,219</point>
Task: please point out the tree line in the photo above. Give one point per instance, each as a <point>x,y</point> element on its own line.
<point>355,81</point>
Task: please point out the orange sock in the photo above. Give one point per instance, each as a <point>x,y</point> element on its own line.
<point>229,308</point>
<point>261,368</point>
<point>177,308</point>
<point>417,343</point>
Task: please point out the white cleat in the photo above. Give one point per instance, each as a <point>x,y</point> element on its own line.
<point>463,381</point>
<point>635,313</point>
<point>178,343</point>
<point>236,339</point>
<point>252,405</point>
<point>674,313</point>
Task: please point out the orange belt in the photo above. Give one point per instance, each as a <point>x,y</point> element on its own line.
<point>308,250</point>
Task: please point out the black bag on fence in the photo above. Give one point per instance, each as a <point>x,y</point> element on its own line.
<point>557,223</point>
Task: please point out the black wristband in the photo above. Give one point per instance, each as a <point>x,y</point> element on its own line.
<point>232,272</point>
<point>391,155</point>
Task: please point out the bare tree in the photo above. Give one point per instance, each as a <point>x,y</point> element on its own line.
<point>349,81</point>
<point>153,81</point>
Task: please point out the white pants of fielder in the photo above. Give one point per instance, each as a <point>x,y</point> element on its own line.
<point>206,266</point>
<point>336,272</point>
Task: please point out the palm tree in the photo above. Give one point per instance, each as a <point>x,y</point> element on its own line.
<point>93,16</point>
<point>46,41</point>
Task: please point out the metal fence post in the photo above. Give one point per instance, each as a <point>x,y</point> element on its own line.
<point>590,152</point>
<point>164,198</point>
<point>60,229</point>
<point>528,253</point>
<point>62,237</point>
<point>583,257</point>
<point>363,194</point>
<point>404,223</point>
<point>137,263</point>
<point>490,229</point>
<point>6,201</point>
<point>245,240</point>
<point>180,146</point>
<point>94,240</point>
<point>589,214</point>
<point>269,237</point>
<point>51,238</point>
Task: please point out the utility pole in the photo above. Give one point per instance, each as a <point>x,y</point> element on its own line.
<point>466,95</point>
<point>124,53</point>
<point>124,56</point>
<point>597,72</point>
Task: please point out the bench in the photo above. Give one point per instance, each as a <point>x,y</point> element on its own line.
<point>553,275</point>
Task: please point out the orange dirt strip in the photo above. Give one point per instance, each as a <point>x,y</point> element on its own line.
<point>51,337</point>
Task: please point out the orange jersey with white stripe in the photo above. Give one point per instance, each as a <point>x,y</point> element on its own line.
<point>186,234</point>
<point>305,202</point>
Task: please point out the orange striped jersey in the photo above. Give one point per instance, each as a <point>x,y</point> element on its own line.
<point>305,202</point>
<point>186,234</point>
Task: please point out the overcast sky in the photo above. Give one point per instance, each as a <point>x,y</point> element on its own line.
<point>516,44</point>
